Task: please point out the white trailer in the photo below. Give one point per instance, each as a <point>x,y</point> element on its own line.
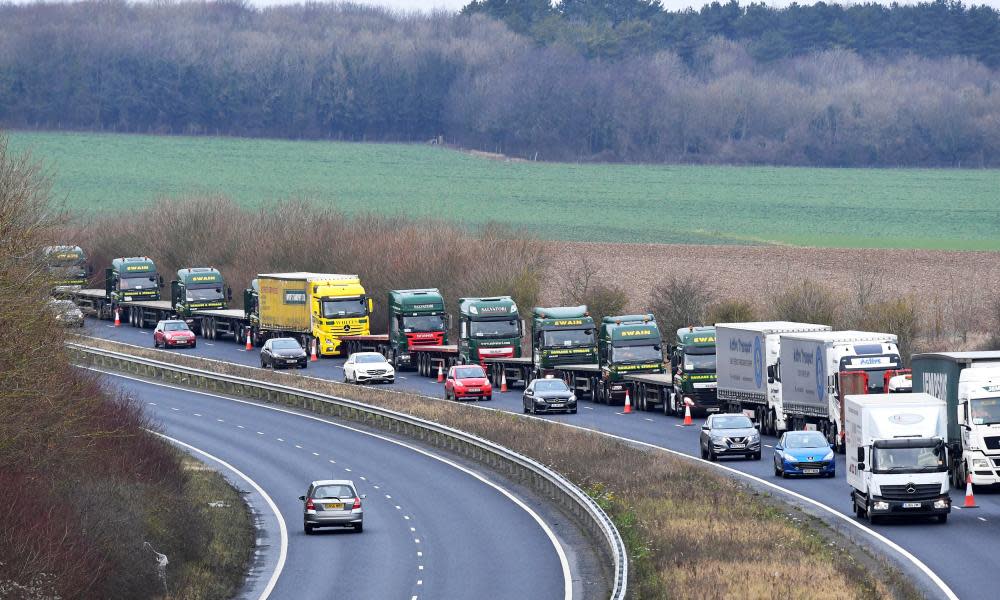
<point>811,369</point>
<point>897,457</point>
<point>746,356</point>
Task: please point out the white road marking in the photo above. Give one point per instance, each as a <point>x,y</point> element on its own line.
<point>981,519</point>
<point>399,507</point>
<point>260,433</point>
<point>406,517</point>
<point>220,420</point>
<point>283,530</point>
<point>769,445</point>
<point>298,446</point>
<point>317,454</point>
<point>420,582</point>
<point>333,461</point>
<point>362,477</point>
<point>172,408</point>
<point>197,415</point>
<point>279,439</point>
<point>346,469</point>
<point>589,407</point>
<point>416,540</point>
<point>151,403</point>
<point>414,528</point>
<point>647,419</point>
<point>420,553</point>
<point>388,496</point>
<point>420,567</point>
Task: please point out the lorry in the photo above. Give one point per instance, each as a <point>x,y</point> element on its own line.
<point>488,328</point>
<point>692,362</point>
<point>68,268</point>
<point>747,354</point>
<point>415,318</point>
<point>126,280</point>
<point>813,367</point>
<point>194,290</point>
<point>318,308</point>
<point>969,382</point>
<point>629,362</point>
<point>897,456</point>
<point>560,335</point>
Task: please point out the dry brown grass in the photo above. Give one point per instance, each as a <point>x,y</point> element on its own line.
<point>692,533</point>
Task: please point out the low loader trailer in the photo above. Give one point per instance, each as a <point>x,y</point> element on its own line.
<point>416,319</point>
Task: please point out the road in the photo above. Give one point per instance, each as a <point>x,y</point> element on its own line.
<point>426,535</point>
<point>964,553</point>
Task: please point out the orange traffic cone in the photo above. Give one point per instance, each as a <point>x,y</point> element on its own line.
<point>249,340</point>
<point>687,414</point>
<point>314,357</point>
<point>970,500</point>
<point>503,381</point>
<point>628,403</point>
<point>118,321</point>
<point>440,374</point>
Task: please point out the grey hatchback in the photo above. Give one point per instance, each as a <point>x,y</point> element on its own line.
<point>332,503</point>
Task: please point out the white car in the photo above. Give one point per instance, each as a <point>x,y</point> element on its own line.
<point>368,367</point>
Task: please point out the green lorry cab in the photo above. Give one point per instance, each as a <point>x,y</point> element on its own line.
<point>627,345</point>
<point>488,328</point>
<point>133,278</point>
<point>198,288</point>
<point>416,318</point>
<point>562,335</point>
<point>67,267</point>
<point>692,361</point>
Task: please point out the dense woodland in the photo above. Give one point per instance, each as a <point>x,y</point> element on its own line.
<point>618,80</point>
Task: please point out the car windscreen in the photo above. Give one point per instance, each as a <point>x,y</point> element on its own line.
<point>423,323</point>
<point>551,385</point>
<point>175,327</point>
<point>204,293</point>
<point>369,358</point>
<point>621,354</point>
<point>332,491</point>
<point>493,329</point>
<point>346,307</point>
<point>138,283</point>
<point>469,372</point>
<point>568,338</point>
<point>285,345</point>
<point>733,422</point>
<point>811,439</point>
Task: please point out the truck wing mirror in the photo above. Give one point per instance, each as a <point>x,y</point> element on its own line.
<point>370,306</point>
<point>861,455</point>
<point>161,281</point>
<point>303,498</point>
<point>704,427</point>
<point>229,294</point>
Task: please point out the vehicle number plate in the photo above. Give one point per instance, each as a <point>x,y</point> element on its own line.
<point>338,506</point>
<point>810,471</point>
<point>738,446</point>
<point>557,405</point>
<point>714,409</point>
<point>912,505</point>
<point>475,390</point>
<point>290,361</point>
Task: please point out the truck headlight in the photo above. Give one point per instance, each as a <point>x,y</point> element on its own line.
<point>941,503</point>
<point>980,463</point>
<point>881,505</point>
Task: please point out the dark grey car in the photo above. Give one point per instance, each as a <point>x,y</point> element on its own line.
<point>332,503</point>
<point>279,353</point>
<point>548,395</point>
<point>729,434</point>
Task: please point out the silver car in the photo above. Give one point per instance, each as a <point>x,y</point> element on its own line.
<point>66,313</point>
<point>332,503</point>
<point>729,434</point>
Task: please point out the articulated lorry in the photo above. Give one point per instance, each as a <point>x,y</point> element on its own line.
<point>194,290</point>
<point>416,318</point>
<point>969,382</point>
<point>897,463</point>
<point>747,355</point>
<point>488,328</point>
<point>560,335</point>
<point>815,367</point>
<point>67,267</point>
<point>315,308</point>
<point>692,362</point>
<point>126,280</point>
<point>629,361</point>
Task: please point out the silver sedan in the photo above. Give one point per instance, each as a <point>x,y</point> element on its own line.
<point>332,503</point>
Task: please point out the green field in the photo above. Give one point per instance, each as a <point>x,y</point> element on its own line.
<point>890,208</point>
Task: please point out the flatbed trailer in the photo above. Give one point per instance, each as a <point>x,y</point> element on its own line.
<point>93,300</point>
<point>519,371</point>
<point>431,358</point>
<point>582,379</point>
<point>217,323</point>
<point>138,313</point>
<point>376,342</point>
<point>652,389</point>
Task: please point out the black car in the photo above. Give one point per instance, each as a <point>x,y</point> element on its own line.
<point>279,353</point>
<point>547,395</point>
<point>729,435</point>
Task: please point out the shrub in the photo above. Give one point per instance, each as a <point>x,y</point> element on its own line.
<point>580,286</point>
<point>808,302</point>
<point>732,311</point>
<point>898,316</point>
<point>680,302</point>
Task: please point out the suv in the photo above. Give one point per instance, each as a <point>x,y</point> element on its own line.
<point>728,434</point>
<point>332,503</point>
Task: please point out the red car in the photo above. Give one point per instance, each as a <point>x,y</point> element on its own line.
<point>173,334</point>
<point>467,381</point>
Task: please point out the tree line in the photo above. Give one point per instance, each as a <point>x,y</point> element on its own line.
<point>324,71</point>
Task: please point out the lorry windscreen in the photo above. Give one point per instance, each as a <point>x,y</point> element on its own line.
<point>143,282</point>
<point>335,308</point>
<point>625,354</point>
<point>494,329</point>
<point>699,362</point>
<point>568,338</point>
<point>195,294</point>
<point>910,459</point>
<point>985,411</point>
<point>423,323</point>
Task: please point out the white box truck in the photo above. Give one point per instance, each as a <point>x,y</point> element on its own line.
<point>814,367</point>
<point>746,356</point>
<point>897,457</point>
<point>970,383</point>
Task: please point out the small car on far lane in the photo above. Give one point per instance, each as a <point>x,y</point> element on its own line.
<point>729,434</point>
<point>804,453</point>
<point>332,503</point>
<point>467,381</point>
<point>172,334</point>
<point>280,353</point>
<point>548,395</point>
<point>368,367</point>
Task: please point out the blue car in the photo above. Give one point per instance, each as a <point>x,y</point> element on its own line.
<point>804,453</point>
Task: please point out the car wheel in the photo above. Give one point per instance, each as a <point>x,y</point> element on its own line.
<point>942,518</point>
<point>704,453</point>
<point>572,412</point>
<point>308,528</point>
<point>832,474</point>
<point>777,471</point>
<point>359,528</point>
<point>194,345</point>
<point>262,365</point>
<point>756,455</point>
<point>488,398</point>
<point>784,474</point>
<point>525,408</point>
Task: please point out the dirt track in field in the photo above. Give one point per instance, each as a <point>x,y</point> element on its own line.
<point>757,272</point>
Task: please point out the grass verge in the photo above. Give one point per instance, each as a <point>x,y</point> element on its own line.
<point>691,533</point>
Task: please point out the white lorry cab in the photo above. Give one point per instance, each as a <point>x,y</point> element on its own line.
<point>897,456</point>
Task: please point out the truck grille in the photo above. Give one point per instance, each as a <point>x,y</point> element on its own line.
<point>992,443</point>
<point>921,491</point>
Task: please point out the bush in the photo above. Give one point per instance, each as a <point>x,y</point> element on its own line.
<point>898,316</point>
<point>680,302</point>
<point>580,286</point>
<point>732,311</point>
<point>809,302</point>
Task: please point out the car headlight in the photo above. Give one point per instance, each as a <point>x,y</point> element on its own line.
<point>881,505</point>
<point>980,463</point>
<point>754,437</point>
<point>789,459</point>
<point>572,397</point>
<point>828,455</point>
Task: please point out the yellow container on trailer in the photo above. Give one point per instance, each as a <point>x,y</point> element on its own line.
<point>325,305</point>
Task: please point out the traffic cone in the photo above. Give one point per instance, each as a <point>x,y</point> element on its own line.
<point>118,321</point>
<point>687,414</point>
<point>503,381</point>
<point>628,403</point>
<point>440,374</point>
<point>249,340</point>
<point>314,357</point>
<point>970,500</point>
